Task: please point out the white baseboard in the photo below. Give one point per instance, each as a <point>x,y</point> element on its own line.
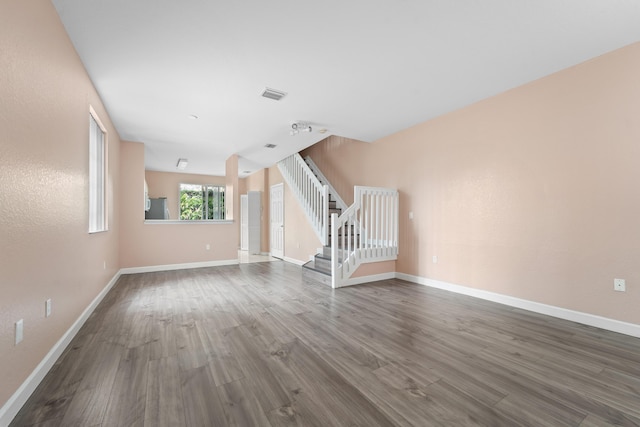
<point>185,266</point>
<point>10,409</point>
<point>367,279</point>
<point>294,261</point>
<point>631,329</point>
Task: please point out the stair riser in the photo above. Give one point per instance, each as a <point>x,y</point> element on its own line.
<point>314,277</point>
<point>326,252</point>
<point>323,264</point>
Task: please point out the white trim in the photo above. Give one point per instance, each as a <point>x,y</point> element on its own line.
<point>366,279</point>
<point>294,261</point>
<point>10,409</point>
<point>185,266</point>
<point>187,221</point>
<point>631,329</point>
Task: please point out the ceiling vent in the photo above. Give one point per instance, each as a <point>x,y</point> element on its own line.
<point>270,146</point>
<point>276,95</point>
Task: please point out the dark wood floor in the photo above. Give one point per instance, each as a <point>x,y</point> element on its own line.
<point>253,345</point>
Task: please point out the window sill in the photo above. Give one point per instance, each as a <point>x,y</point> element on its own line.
<point>187,222</point>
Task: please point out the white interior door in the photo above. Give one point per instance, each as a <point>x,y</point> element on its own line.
<point>276,213</point>
<point>244,222</point>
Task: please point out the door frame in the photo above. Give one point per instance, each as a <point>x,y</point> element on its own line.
<point>271,240</point>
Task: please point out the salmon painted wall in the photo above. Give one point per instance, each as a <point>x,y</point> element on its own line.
<point>533,193</point>
<point>167,184</point>
<point>163,243</point>
<point>300,241</point>
<point>45,249</point>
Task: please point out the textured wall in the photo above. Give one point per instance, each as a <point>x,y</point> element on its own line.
<point>45,249</point>
<point>300,241</point>
<point>143,245</point>
<point>167,184</point>
<point>533,193</point>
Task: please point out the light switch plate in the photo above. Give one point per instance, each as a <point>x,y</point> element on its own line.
<point>19,331</point>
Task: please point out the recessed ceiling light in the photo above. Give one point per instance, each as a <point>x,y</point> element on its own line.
<point>323,130</point>
<point>271,146</point>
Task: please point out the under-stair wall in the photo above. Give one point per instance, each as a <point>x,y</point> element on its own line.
<point>365,232</point>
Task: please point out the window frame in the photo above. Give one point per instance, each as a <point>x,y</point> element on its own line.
<point>98,167</point>
<point>205,190</point>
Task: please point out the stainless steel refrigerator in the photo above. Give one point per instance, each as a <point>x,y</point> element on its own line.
<point>158,209</point>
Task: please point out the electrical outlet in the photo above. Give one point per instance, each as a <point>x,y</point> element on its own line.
<point>104,265</point>
<point>434,259</point>
<point>619,285</point>
<point>19,331</point>
<point>410,215</point>
<point>207,246</point>
<point>47,308</point>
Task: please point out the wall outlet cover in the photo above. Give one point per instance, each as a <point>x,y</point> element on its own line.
<point>619,285</point>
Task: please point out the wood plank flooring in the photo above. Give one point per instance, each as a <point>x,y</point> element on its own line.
<point>252,345</point>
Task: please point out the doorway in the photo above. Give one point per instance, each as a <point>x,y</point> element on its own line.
<point>276,215</point>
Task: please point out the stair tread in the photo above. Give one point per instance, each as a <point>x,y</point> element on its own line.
<point>311,266</point>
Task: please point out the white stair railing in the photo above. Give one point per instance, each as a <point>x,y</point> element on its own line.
<point>366,232</point>
<point>323,179</point>
<point>312,195</point>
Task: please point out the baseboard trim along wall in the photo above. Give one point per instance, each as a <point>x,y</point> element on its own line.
<point>294,261</point>
<point>185,266</point>
<point>19,398</point>
<point>367,279</point>
<point>550,310</point>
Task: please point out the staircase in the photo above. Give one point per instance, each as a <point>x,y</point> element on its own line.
<point>366,231</point>
<point>318,270</point>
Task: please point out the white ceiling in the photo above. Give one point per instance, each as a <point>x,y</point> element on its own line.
<point>361,69</point>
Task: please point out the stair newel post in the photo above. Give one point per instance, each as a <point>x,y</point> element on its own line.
<point>334,250</point>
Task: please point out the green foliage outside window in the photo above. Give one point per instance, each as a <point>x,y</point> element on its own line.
<point>199,202</point>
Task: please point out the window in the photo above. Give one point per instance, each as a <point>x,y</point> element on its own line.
<point>97,172</point>
<point>199,202</point>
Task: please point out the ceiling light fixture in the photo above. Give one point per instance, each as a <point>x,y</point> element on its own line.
<point>270,146</point>
<point>182,164</point>
<point>276,95</point>
<point>298,127</point>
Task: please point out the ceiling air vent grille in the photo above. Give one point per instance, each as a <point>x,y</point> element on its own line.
<point>273,94</point>
<point>270,146</point>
